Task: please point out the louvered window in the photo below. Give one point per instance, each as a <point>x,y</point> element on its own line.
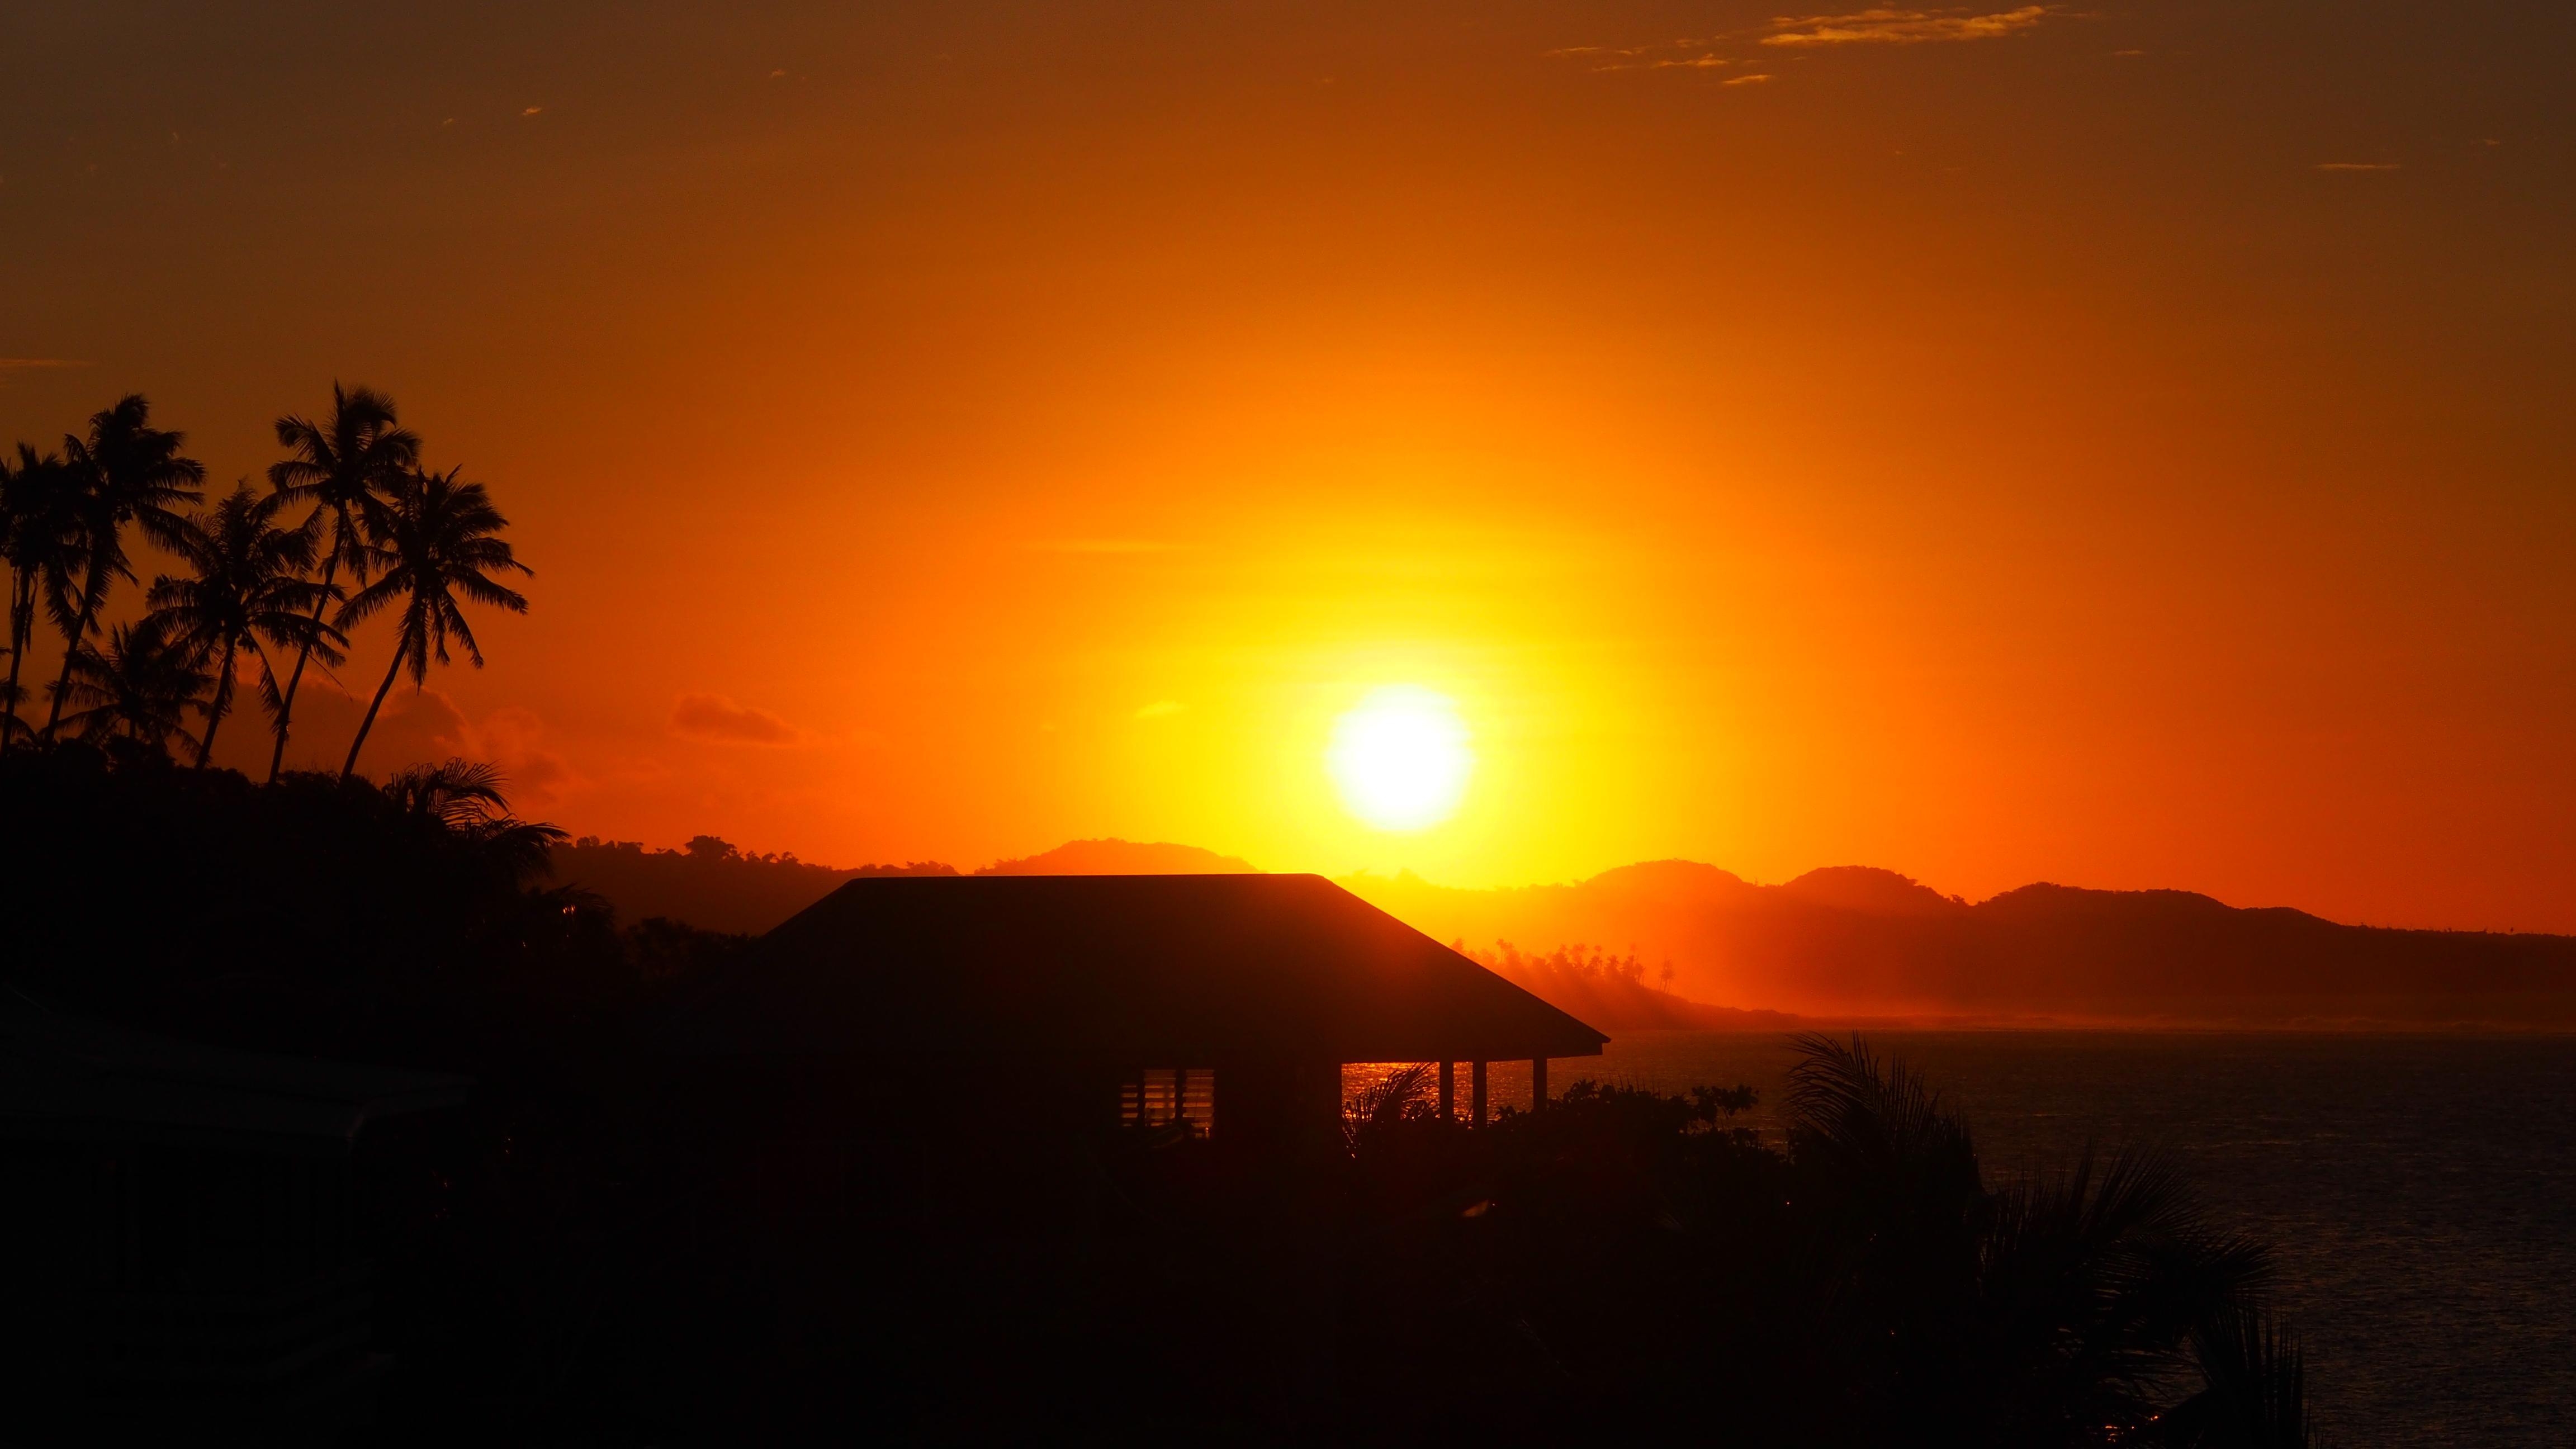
<point>1160,1096</point>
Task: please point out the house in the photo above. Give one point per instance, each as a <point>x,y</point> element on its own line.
<point>993,1157</point>
<point>179,1250</point>
<point>1229,1002</point>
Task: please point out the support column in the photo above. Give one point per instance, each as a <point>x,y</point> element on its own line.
<point>1538,1083</point>
<point>1476,1092</point>
<point>1448,1091</point>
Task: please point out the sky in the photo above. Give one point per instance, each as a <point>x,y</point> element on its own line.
<point>2125,444</point>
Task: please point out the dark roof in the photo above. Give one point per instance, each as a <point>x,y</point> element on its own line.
<point>1173,970</point>
<point>60,1073</point>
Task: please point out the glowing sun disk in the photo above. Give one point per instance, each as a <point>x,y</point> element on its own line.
<point>1400,758</point>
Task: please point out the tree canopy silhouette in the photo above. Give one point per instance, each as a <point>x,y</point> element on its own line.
<point>424,541</point>
<point>43,539</point>
<point>123,471</point>
<point>246,589</point>
<point>140,689</point>
<point>348,466</point>
<point>439,548</point>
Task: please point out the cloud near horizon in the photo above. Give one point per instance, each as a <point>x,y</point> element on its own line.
<point>714,718</point>
<point>10,366</point>
<point>1884,26</point>
<point>1878,25</point>
<point>416,728</point>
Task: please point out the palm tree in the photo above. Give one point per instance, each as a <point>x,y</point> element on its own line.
<point>40,539</point>
<point>125,471</point>
<point>247,585</point>
<point>440,540</point>
<point>2254,1389</point>
<point>141,688</point>
<point>2037,1313</point>
<point>9,505</point>
<point>466,799</point>
<point>348,466</point>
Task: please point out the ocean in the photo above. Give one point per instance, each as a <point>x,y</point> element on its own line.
<point>2419,1190</point>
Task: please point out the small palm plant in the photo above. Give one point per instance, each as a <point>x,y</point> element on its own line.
<point>466,799</point>
<point>2056,1309</point>
<point>440,546</point>
<point>349,466</point>
<point>246,587</point>
<point>140,688</point>
<point>124,471</point>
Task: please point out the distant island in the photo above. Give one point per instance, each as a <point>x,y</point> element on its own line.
<point>1836,944</point>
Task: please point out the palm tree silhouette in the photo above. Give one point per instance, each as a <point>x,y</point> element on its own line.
<point>41,539</point>
<point>125,471</point>
<point>347,466</point>
<point>9,505</point>
<point>2034,1313</point>
<point>141,688</point>
<point>466,798</point>
<point>440,540</point>
<point>247,585</point>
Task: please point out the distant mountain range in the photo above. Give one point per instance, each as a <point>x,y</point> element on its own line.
<point>1838,943</point>
<point>1857,941</point>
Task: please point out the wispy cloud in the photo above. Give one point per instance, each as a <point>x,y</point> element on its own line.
<point>1883,26</point>
<point>12,366</point>
<point>1754,79</point>
<point>1160,709</point>
<point>1661,56</point>
<point>714,718</point>
<point>1878,25</point>
<point>2361,166</point>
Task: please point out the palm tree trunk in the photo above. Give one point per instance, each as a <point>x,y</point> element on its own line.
<point>90,591</point>
<point>286,701</point>
<point>22,605</point>
<point>215,708</point>
<point>350,767</point>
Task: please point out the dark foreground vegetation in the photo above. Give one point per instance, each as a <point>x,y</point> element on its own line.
<point>605,1245</point>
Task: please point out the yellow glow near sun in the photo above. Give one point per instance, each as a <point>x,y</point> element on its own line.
<point>1400,758</point>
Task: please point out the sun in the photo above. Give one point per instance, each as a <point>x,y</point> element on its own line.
<point>1400,758</point>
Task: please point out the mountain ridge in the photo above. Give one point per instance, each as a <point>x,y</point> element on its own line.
<point>1840,942</point>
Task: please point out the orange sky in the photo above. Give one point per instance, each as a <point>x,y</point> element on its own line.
<point>1998,444</point>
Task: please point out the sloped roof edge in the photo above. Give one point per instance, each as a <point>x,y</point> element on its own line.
<point>1157,969</point>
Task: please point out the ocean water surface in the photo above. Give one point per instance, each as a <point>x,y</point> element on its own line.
<point>2419,1190</point>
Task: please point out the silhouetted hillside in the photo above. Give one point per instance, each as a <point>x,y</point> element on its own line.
<point>1840,942</point>
<point>708,882</point>
<point>711,884</point>
<point>1122,857</point>
<point>1853,941</point>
